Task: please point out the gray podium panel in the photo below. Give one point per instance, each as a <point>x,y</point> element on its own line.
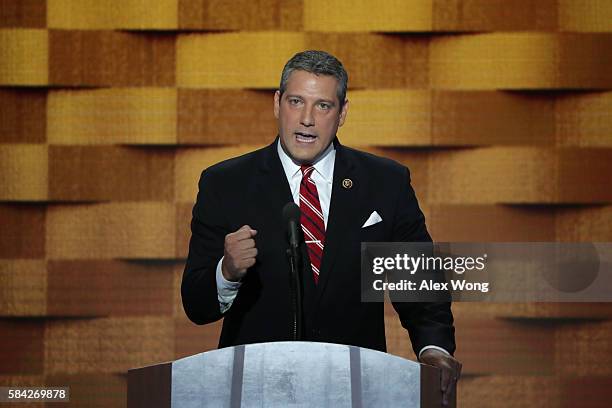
<point>295,374</point>
<point>203,380</point>
<point>389,381</point>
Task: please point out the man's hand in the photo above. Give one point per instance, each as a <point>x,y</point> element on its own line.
<point>450,370</point>
<point>239,253</point>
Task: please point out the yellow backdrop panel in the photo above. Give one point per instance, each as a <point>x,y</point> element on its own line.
<point>105,14</point>
<point>24,172</point>
<point>24,57</point>
<point>521,61</point>
<point>120,343</point>
<point>23,287</point>
<point>111,230</point>
<point>112,116</point>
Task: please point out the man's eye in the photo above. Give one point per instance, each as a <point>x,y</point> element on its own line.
<point>324,106</point>
<point>294,101</point>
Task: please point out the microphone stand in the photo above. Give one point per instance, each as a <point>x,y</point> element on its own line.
<point>295,283</point>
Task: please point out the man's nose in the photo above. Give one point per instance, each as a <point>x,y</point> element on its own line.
<point>307,118</point>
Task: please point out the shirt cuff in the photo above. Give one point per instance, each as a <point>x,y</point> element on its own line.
<point>226,290</point>
<point>433,347</point>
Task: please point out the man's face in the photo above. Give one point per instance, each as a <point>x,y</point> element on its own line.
<point>308,114</point>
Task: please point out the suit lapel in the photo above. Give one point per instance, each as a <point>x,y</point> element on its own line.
<point>272,187</point>
<point>342,211</point>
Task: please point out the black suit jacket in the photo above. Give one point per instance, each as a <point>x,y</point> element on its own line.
<point>252,189</point>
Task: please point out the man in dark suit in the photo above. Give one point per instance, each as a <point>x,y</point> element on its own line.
<point>237,267</point>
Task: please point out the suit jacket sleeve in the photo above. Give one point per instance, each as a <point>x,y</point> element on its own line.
<point>208,230</point>
<point>428,323</point>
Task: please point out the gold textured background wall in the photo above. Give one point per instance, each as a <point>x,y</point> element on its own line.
<point>109,110</point>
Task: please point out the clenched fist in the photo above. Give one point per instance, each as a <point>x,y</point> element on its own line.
<point>239,253</point>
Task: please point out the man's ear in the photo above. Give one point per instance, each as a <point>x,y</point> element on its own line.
<point>343,112</point>
<point>277,97</point>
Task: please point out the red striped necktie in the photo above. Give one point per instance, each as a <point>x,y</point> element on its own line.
<point>312,221</point>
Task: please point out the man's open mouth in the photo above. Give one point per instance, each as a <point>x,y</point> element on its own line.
<point>305,137</point>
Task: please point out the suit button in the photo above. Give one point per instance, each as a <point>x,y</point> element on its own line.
<point>316,332</point>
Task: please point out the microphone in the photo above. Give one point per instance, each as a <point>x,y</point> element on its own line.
<point>291,217</point>
<point>295,235</point>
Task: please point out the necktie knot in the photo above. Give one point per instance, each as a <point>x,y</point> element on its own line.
<point>307,170</point>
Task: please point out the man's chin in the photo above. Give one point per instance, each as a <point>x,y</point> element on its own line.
<point>303,159</point>
<point>304,154</point>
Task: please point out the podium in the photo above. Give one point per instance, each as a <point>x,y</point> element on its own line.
<point>286,374</point>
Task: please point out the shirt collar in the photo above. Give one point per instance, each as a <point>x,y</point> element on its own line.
<point>324,164</point>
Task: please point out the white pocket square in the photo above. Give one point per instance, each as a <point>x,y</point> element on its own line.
<point>373,219</point>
